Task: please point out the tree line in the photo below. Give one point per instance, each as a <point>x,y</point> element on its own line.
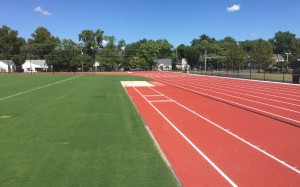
<point>112,55</point>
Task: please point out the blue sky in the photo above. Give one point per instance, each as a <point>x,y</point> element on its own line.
<point>178,21</point>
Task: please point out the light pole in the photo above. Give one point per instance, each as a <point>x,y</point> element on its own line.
<point>205,61</point>
<point>73,59</point>
<point>81,59</point>
<point>287,57</point>
<point>30,64</point>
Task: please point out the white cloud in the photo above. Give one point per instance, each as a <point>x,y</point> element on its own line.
<point>234,8</point>
<point>43,12</point>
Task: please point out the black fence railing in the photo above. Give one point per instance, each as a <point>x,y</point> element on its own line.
<point>286,76</point>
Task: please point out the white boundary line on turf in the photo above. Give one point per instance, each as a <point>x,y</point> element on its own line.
<point>234,135</point>
<point>20,93</point>
<point>190,142</point>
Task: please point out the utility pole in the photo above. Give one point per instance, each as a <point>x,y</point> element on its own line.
<point>81,59</point>
<point>205,61</point>
<point>73,59</point>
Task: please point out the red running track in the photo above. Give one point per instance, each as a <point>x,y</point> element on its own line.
<point>279,101</point>
<point>209,142</point>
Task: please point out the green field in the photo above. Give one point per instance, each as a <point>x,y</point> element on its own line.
<point>83,131</point>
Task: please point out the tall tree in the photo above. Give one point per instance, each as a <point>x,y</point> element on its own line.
<point>283,42</point>
<point>152,50</point>
<point>132,50</point>
<point>11,45</point>
<point>121,46</point>
<point>235,57</point>
<point>42,43</point>
<point>137,62</point>
<point>93,41</point>
<point>295,50</point>
<point>181,51</point>
<point>192,55</point>
<point>262,54</point>
<point>109,56</point>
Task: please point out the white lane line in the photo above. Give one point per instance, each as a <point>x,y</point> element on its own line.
<point>232,134</point>
<point>228,90</point>
<point>191,143</point>
<point>38,88</point>
<point>161,101</point>
<point>282,86</point>
<point>152,95</point>
<point>235,103</point>
<point>231,95</point>
<point>224,84</point>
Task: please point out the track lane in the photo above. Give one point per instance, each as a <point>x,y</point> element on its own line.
<point>228,152</point>
<point>290,116</point>
<point>293,100</point>
<point>273,136</point>
<point>192,170</point>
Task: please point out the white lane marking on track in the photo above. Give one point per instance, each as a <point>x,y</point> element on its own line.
<point>38,88</point>
<point>228,90</point>
<point>235,103</point>
<point>265,83</point>
<point>161,101</point>
<point>191,143</point>
<point>230,95</point>
<point>152,95</point>
<point>234,86</point>
<point>250,80</point>
<point>234,135</point>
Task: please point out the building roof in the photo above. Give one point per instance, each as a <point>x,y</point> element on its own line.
<point>8,62</point>
<point>278,57</point>
<point>38,62</point>
<point>165,62</point>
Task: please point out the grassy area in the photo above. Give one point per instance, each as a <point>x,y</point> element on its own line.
<point>80,132</point>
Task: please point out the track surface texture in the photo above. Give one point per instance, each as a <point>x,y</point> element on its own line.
<point>223,132</point>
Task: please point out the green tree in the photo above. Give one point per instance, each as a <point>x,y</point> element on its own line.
<point>181,51</point>
<point>11,45</point>
<point>132,50</point>
<point>261,55</point>
<point>152,50</point>
<point>235,57</point>
<point>121,46</point>
<point>192,55</point>
<point>109,56</point>
<point>283,42</point>
<point>137,62</point>
<point>93,41</point>
<point>42,43</point>
<point>295,50</point>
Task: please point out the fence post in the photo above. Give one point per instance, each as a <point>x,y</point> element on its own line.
<point>250,71</point>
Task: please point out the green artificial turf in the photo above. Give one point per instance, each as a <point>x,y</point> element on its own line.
<point>80,132</point>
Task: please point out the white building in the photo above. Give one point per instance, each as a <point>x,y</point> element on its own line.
<point>278,58</point>
<point>35,65</point>
<point>182,64</point>
<point>7,66</point>
<point>163,64</point>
